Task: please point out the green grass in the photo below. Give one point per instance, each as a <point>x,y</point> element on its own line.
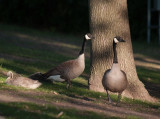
<point>149,50</point>
<point>147,75</point>
<point>33,111</point>
<point>32,50</point>
<point>77,89</point>
<point>27,56</point>
<point>142,103</point>
<point>133,117</point>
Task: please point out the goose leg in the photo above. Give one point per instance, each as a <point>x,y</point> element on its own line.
<point>68,84</point>
<point>109,99</point>
<point>119,97</point>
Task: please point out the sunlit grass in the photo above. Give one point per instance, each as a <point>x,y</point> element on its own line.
<point>133,117</point>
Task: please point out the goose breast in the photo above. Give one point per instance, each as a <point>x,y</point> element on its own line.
<point>115,81</point>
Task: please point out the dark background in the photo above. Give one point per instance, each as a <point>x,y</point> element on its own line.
<point>69,16</point>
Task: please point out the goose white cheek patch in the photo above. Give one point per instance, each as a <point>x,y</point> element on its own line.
<point>115,40</point>
<point>88,38</point>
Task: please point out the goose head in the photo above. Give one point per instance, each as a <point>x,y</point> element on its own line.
<point>118,39</point>
<point>89,36</point>
<point>10,74</point>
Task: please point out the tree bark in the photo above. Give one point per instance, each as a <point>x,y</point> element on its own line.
<point>109,18</point>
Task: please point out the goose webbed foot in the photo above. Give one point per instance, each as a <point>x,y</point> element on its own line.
<point>110,101</point>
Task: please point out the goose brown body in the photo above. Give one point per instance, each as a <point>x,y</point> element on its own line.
<point>69,69</point>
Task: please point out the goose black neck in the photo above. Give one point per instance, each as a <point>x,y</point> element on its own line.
<point>83,46</point>
<point>115,60</point>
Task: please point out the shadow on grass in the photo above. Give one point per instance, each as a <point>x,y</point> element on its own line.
<point>77,84</point>
<point>24,111</point>
<point>142,103</point>
<point>146,61</point>
<point>41,61</point>
<point>150,50</point>
<point>33,111</point>
<point>151,80</point>
<point>76,91</point>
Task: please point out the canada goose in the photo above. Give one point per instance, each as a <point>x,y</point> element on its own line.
<point>115,79</point>
<point>18,80</point>
<point>70,69</point>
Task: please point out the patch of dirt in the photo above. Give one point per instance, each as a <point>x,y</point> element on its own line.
<point>2,117</point>
<point>80,104</point>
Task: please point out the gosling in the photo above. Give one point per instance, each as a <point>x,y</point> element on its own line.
<point>21,81</point>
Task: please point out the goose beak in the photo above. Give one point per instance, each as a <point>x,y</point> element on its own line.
<point>122,40</point>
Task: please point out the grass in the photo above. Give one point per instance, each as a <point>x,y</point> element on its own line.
<point>77,89</point>
<point>27,53</point>
<point>147,75</point>
<point>142,103</point>
<point>149,50</point>
<point>33,111</point>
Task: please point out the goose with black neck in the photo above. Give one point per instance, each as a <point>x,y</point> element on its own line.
<point>71,69</point>
<point>115,79</point>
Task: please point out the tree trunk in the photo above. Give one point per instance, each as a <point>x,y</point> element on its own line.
<point>109,18</point>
